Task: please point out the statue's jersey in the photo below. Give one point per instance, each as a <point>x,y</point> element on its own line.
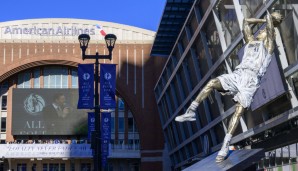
<point>245,80</point>
<point>255,58</point>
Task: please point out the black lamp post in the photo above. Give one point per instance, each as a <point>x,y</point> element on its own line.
<point>96,139</point>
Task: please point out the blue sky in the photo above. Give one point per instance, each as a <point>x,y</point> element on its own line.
<point>139,13</point>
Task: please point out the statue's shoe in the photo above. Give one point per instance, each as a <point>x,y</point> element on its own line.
<point>220,158</point>
<point>190,115</point>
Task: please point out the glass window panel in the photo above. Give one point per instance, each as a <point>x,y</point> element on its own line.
<point>183,152</point>
<point>120,124</point>
<point>27,76</point>
<point>53,81</point>
<point>64,81</point>
<point>173,134</point>
<point>186,131</point>
<point>212,37</point>
<point>22,167</point>
<point>58,72</point>
<point>3,124</point>
<point>177,54</point>
<point>20,80</point>
<point>168,72</point>
<point>228,18</point>
<point>74,78</point>
<point>44,167</point>
<point>193,25</point>
<point>4,85</point>
<point>130,124</point>
<point>85,167</point>
<point>181,47</point>
<point>174,62</point>
<point>46,77</point>
<point>170,66</point>
<point>160,111</point>
<point>289,34</point>
<point>191,69</point>
<point>4,103</point>
<point>62,167</point>
<point>184,39</point>
<point>203,64</point>
<point>203,6</point>
<point>53,166</point>
<point>72,166</point>
<point>170,138</point>
<point>180,97</point>
<point>220,133</point>
<point>121,105</point>
<point>55,77</point>
<point>34,167</point>
<point>172,99</point>
<point>24,79</point>
<point>163,81</point>
<point>250,7</point>
<point>36,77</point>
<point>189,150</point>
<point>165,108</point>
<point>112,124</point>
<point>180,74</point>
<point>64,77</point>
<point>202,118</point>
<point>177,127</point>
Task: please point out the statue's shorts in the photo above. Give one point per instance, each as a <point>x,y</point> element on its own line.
<point>242,84</point>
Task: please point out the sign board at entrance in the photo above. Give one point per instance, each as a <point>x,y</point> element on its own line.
<point>45,150</point>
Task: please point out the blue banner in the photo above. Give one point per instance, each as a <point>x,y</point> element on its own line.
<point>105,136</point>
<point>107,86</point>
<point>91,124</point>
<point>86,86</point>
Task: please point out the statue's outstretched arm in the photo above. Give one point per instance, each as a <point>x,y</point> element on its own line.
<point>269,42</point>
<point>247,31</point>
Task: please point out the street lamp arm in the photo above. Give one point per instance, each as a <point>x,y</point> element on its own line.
<point>97,56</point>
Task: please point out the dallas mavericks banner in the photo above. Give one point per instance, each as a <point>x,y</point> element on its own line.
<point>107,86</point>
<point>105,136</point>
<point>86,86</point>
<point>91,124</point>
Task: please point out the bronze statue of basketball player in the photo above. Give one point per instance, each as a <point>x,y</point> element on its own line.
<point>243,82</point>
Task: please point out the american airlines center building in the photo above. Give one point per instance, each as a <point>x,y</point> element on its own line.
<point>38,61</point>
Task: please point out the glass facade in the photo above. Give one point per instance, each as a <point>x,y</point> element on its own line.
<point>208,46</point>
<point>55,77</point>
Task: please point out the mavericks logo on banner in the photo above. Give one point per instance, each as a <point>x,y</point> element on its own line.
<point>107,86</point>
<point>105,135</point>
<point>91,124</point>
<point>86,86</point>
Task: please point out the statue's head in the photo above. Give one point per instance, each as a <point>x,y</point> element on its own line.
<point>277,18</point>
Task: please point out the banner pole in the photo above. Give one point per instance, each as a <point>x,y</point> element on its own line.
<point>97,157</point>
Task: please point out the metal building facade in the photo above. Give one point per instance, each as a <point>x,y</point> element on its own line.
<point>201,39</point>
